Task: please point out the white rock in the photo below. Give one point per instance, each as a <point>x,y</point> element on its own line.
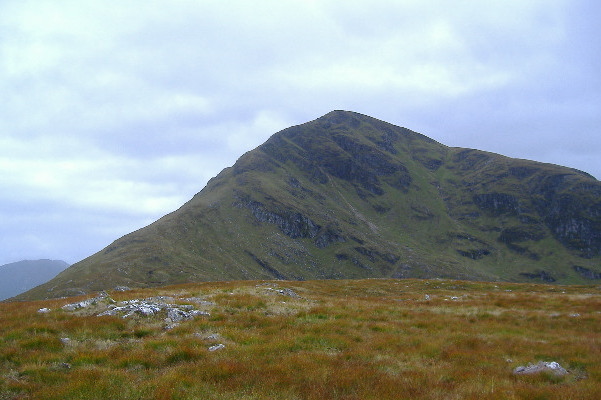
<point>147,309</point>
<point>541,366</point>
<point>81,304</point>
<point>177,315</point>
<point>217,347</point>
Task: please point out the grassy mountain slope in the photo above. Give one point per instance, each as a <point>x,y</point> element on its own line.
<point>349,196</point>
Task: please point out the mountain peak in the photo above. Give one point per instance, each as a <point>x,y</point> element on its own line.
<point>350,196</point>
<point>341,116</point>
<point>349,118</point>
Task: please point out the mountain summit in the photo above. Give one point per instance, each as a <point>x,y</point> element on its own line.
<point>350,196</point>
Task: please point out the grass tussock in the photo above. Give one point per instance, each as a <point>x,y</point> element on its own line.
<point>364,339</point>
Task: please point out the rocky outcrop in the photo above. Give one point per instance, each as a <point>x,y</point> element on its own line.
<point>333,150</point>
<point>164,306</point>
<point>498,204</point>
<point>329,235</point>
<point>373,255</point>
<point>542,366</point>
<point>571,210</point>
<point>521,234</point>
<point>573,226</point>
<point>474,254</point>
<point>292,223</point>
<point>295,224</point>
<point>539,275</point>
<point>587,273</point>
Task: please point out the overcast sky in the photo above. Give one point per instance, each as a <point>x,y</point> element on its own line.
<point>116,113</point>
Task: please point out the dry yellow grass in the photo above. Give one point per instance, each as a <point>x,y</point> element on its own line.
<point>363,339</point>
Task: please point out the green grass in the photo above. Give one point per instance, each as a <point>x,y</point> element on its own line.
<point>340,339</point>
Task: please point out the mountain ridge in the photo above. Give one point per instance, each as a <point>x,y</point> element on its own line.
<point>350,196</point>
<point>20,276</point>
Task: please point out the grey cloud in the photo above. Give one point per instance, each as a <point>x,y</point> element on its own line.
<point>115,115</point>
<point>56,231</point>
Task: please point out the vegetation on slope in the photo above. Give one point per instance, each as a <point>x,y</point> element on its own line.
<point>349,196</point>
<point>334,339</point>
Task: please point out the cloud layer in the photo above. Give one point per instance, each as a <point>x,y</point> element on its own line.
<point>116,114</point>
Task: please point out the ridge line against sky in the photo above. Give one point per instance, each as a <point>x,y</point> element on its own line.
<point>114,115</point>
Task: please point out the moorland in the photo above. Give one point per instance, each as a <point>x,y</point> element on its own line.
<point>320,339</point>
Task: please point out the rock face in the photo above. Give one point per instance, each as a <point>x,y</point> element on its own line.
<point>587,273</point>
<point>349,196</point>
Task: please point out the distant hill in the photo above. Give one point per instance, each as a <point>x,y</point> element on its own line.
<point>350,196</point>
<point>21,276</point>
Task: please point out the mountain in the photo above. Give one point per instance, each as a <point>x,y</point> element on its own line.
<point>350,196</point>
<point>21,276</point>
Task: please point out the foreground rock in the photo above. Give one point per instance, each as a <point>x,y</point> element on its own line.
<point>542,366</point>
<point>160,305</point>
